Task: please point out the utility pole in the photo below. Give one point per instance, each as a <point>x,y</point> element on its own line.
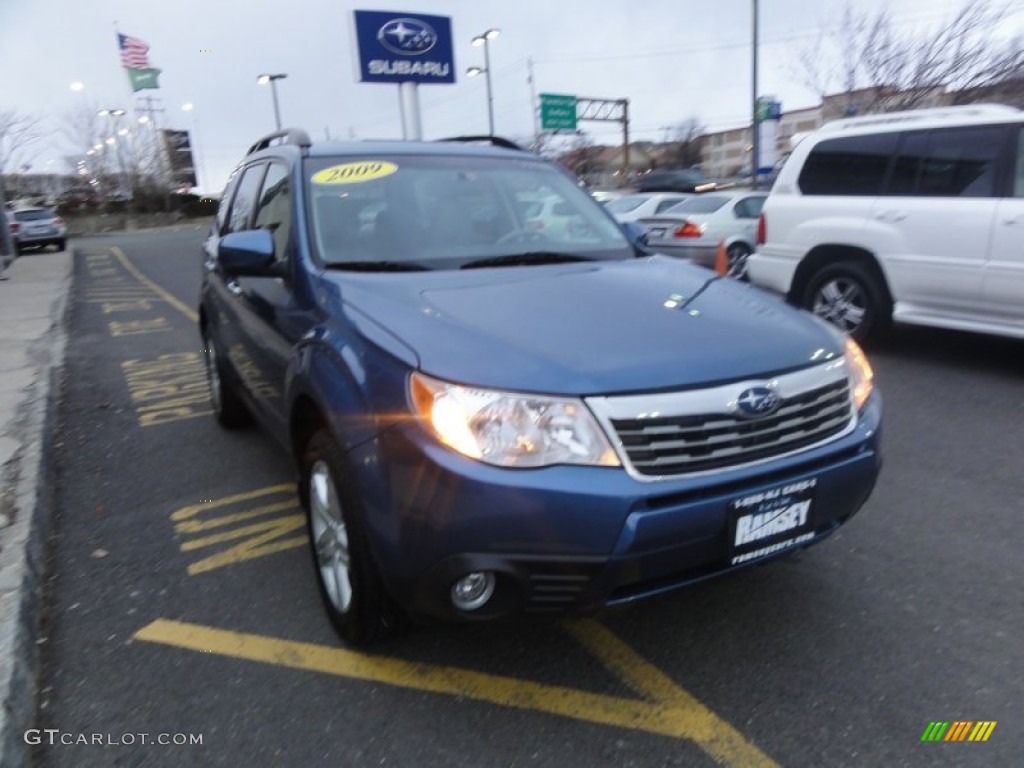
<point>533,102</point>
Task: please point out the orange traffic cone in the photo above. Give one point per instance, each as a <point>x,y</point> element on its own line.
<point>721,259</point>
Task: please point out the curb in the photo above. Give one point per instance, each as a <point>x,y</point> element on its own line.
<point>26,500</point>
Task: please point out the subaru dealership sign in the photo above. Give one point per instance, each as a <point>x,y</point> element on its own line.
<point>398,47</point>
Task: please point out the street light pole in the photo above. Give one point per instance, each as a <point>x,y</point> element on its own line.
<point>755,148</point>
<point>124,182</point>
<point>190,108</point>
<point>272,80</point>
<point>484,40</point>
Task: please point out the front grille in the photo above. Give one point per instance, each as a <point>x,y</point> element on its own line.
<point>679,443</point>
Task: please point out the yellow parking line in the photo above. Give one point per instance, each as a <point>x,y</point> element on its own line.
<point>714,735</point>
<point>175,302</point>
<point>681,718</point>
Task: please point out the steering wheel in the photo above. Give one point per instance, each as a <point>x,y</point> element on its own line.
<point>521,236</point>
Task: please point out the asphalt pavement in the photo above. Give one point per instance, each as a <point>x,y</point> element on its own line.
<point>181,602</point>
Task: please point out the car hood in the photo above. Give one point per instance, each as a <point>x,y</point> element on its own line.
<point>588,328</point>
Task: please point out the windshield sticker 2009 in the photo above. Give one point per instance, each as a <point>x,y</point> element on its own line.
<point>354,173</point>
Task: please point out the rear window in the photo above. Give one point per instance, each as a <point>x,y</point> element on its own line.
<point>37,215</point>
<point>702,204</point>
<point>852,165</point>
<point>625,204</point>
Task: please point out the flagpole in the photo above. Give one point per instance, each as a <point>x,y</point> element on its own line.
<point>135,84</point>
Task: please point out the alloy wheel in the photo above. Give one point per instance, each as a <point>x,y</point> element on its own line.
<point>843,302</point>
<point>330,537</point>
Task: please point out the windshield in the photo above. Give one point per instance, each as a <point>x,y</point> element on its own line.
<point>445,211</point>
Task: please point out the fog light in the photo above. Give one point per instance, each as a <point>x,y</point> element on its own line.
<point>473,590</point>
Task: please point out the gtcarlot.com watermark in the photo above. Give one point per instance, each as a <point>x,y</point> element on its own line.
<point>55,737</point>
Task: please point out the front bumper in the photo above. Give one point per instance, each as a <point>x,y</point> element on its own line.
<point>577,538</point>
<point>772,269</point>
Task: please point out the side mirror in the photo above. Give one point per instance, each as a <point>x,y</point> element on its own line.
<point>246,253</point>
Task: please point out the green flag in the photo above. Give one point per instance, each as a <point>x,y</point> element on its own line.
<point>141,79</point>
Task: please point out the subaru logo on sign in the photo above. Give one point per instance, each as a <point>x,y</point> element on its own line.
<point>758,401</point>
<point>408,36</point>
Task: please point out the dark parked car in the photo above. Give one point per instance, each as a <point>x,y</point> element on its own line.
<point>673,181</point>
<point>488,420</point>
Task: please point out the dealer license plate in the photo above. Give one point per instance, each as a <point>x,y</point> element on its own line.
<point>770,521</point>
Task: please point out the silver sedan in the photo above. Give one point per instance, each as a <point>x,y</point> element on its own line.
<point>695,228</point>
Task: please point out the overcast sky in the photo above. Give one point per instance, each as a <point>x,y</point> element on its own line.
<point>673,59</point>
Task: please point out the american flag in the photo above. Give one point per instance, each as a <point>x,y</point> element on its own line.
<point>133,52</point>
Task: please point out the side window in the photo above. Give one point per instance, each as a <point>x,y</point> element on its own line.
<point>749,207</point>
<point>666,204</point>
<point>852,165</point>
<point>245,198</point>
<point>225,203</point>
<point>274,209</point>
<point>908,164</point>
<point>961,162</point>
<point>1018,184</point>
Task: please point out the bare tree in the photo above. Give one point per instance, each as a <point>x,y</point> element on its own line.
<point>114,153</point>
<point>889,69</point>
<point>18,131</point>
<point>687,139</point>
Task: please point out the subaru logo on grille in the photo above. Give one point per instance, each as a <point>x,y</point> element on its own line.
<point>408,36</point>
<point>758,401</point>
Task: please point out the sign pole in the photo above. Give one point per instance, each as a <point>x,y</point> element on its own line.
<point>409,102</point>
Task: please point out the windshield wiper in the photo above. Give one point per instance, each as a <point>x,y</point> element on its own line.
<point>530,257</point>
<point>377,266</point>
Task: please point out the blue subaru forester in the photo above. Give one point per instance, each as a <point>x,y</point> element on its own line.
<point>498,402</point>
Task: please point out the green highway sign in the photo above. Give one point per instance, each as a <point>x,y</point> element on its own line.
<point>557,112</point>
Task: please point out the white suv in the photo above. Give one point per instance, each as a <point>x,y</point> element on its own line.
<point>911,216</point>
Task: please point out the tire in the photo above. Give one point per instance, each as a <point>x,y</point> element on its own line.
<point>851,297</point>
<point>61,244</point>
<point>736,257</point>
<point>228,408</point>
<point>351,589</point>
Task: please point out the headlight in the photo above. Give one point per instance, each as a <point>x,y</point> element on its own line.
<point>862,378</point>
<point>509,429</point>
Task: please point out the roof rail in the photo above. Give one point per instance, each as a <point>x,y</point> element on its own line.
<point>290,135</point>
<point>912,115</point>
<point>494,141</point>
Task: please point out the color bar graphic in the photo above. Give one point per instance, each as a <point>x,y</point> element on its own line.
<point>958,730</point>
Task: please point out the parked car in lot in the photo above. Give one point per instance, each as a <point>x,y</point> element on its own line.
<point>552,217</point>
<point>606,195</point>
<point>37,228</point>
<point>673,181</point>
<point>914,216</point>
<point>635,207</point>
<point>488,421</point>
<point>694,228</point>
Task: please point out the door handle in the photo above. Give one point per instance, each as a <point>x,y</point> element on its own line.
<point>891,215</point>
<point>234,287</point>
<point>1013,220</point>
